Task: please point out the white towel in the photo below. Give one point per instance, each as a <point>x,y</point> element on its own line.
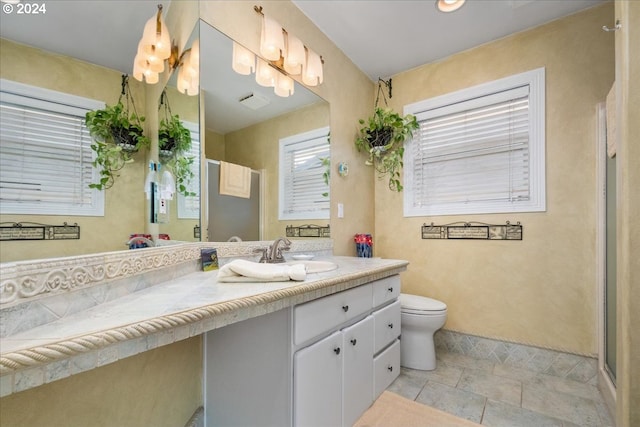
<point>611,121</point>
<point>241,270</point>
<point>235,180</point>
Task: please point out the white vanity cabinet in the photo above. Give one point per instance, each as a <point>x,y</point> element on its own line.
<point>363,342</point>
<point>319,363</point>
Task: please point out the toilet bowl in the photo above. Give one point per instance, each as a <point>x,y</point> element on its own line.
<point>421,317</point>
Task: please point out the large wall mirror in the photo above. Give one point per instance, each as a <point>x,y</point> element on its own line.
<point>244,124</point>
<point>230,132</point>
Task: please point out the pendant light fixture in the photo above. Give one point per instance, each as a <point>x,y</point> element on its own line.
<point>282,55</point>
<point>155,48</point>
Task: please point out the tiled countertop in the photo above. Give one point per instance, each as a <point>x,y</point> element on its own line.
<point>161,314</point>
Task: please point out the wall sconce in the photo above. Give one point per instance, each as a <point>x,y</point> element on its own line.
<point>155,47</point>
<point>284,55</point>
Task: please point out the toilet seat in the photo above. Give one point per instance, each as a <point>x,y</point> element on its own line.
<point>415,304</point>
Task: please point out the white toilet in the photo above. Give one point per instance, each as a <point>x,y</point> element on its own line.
<point>421,317</point>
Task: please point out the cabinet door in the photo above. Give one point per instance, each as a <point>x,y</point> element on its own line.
<point>357,370</point>
<point>317,376</point>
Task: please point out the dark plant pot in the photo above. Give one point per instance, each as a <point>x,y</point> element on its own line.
<point>127,138</point>
<point>168,147</point>
<point>380,137</point>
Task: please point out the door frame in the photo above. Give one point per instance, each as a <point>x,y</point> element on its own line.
<point>605,384</point>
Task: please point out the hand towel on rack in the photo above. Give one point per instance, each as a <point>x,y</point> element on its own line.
<point>235,180</point>
<point>611,121</point>
<point>241,270</point>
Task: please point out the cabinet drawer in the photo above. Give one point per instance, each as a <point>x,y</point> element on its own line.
<point>386,368</point>
<point>322,315</point>
<point>386,326</point>
<point>386,290</point>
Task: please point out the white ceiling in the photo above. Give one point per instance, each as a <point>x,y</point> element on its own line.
<point>382,37</point>
<point>385,37</point>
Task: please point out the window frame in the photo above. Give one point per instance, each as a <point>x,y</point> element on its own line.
<point>535,80</point>
<point>32,96</point>
<point>185,211</point>
<point>289,141</point>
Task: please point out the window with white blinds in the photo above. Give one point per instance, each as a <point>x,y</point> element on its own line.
<point>189,206</point>
<point>303,192</point>
<point>479,150</point>
<point>45,153</point>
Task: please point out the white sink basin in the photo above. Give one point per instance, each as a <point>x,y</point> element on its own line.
<point>315,266</point>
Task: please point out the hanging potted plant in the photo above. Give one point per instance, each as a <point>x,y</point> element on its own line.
<point>382,137</point>
<point>117,134</point>
<point>173,137</point>
<point>174,143</point>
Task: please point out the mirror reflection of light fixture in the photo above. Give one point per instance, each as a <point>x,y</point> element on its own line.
<point>284,85</point>
<point>265,74</point>
<point>155,48</point>
<point>244,61</point>
<point>449,5</point>
<point>284,55</point>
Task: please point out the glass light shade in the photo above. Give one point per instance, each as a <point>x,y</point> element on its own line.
<point>312,71</point>
<point>271,39</point>
<point>194,88</point>
<point>195,54</point>
<point>154,41</point>
<point>183,82</point>
<point>265,74</point>
<point>142,68</point>
<point>284,85</point>
<point>295,55</point>
<point>244,61</point>
<point>151,77</point>
<point>144,62</point>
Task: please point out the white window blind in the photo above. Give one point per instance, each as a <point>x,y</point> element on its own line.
<point>303,190</point>
<point>189,206</point>
<point>45,153</point>
<point>477,155</point>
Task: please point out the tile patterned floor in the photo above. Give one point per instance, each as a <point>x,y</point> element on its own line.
<point>500,395</point>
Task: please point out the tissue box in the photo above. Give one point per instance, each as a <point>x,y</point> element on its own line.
<point>209,259</point>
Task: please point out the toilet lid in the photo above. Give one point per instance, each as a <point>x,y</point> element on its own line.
<point>419,303</point>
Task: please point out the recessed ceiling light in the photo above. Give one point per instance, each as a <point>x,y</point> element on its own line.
<point>449,5</point>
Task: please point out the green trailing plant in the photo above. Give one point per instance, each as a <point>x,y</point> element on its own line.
<point>173,137</point>
<point>382,137</point>
<point>181,167</point>
<point>174,144</point>
<point>117,135</point>
<point>326,174</point>
<point>326,163</point>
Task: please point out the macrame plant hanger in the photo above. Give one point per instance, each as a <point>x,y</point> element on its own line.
<point>387,85</point>
<point>124,140</point>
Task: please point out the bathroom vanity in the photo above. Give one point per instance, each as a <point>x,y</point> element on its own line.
<point>273,351</point>
<point>319,363</point>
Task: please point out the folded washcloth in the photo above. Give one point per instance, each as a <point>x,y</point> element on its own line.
<point>247,271</point>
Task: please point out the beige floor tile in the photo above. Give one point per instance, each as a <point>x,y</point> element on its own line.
<point>498,414</point>
<point>458,402</point>
<point>575,409</point>
<point>502,389</point>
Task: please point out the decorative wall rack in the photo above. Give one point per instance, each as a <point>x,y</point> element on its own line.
<point>473,231</point>
<point>36,231</point>
<point>308,230</point>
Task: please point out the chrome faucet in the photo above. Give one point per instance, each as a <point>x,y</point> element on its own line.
<point>274,254</point>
